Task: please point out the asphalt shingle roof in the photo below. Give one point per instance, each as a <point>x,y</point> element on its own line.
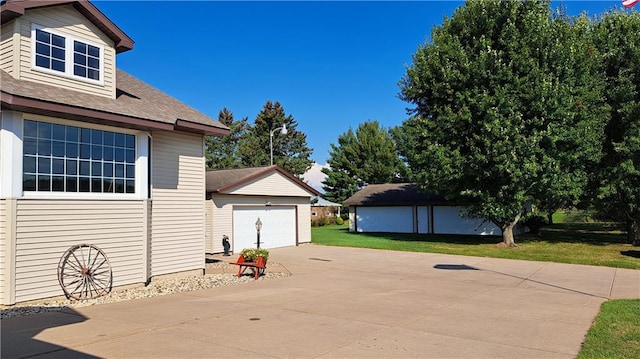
<point>392,194</point>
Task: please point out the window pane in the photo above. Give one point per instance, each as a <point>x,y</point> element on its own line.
<point>85,168</point>
<point>119,140</point>
<point>131,171</point>
<point>58,167</point>
<point>57,183</point>
<point>44,165</point>
<point>44,130</point>
<point>29,164</point>
<point>130,186</point>
<point>30,146</point>
<point>119,186</point>
<point>108,185</point>
<point>108,138</point>
<point>130,156</point>
<point>93,63</point>
<point>72,133</point>
<point>44,147</point>
<point>57,65</point>
<point>29,182</point>
<point>79,59</point>
<point>119,154</point>
<point>43,49</point>
<point>72,184</point>
<point>44,183</point>
<point>79,71</point>
<point>79,47</point>
<point>84,184</point>
<point>58,132</point>
<point>96,152</point>
<point>85,152</point>
<point>72,167</point>
<point>107,169</point>
<point>119,170</point>
<point>43,36</point>
<point>57,40</point>
<point>85,136</point>
<point>43,62</point>
<point>130,141</point>
<point>57,53</point>
<point>30,128</point>
<point>108,153</point>
<point>93,51</point>
<point>96,169</point>
<point>96,137</point>
<point>93,74</point>
<point>96,185</point>
<point>58,148</point>
<point>72,149</point>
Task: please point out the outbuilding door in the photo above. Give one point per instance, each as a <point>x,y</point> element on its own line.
<point>279,227</point>
<point>385,219</point>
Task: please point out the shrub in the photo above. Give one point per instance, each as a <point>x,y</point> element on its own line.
<point>318,222</point>
<point>339,220</point>
<point>534,223</point>
<point>250,254</point>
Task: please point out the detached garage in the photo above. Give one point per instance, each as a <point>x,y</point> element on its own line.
<point>403,208</point>
<point>237,198</point>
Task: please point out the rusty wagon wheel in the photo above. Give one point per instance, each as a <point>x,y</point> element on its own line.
<point>84,272</point>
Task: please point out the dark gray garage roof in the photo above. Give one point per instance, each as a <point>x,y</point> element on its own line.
<point>392,194</point>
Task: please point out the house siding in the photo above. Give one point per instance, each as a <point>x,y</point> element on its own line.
<point>67,20</point>
<point>208,225</point>
<point>45,229</point>
<point>3,247</point>
<point>274,184</point>
<point>178,211</point>
<point>223,215</point>
<point>6,47</point>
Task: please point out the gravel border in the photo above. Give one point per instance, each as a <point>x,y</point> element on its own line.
<point>155,288</point>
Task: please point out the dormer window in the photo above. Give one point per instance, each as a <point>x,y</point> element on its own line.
<point>66,55</point>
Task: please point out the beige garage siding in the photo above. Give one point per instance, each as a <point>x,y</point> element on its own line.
<point>177,225</point>
<point>68,21</point>
<point>208,227</point>
<point>45,229</point>
<point>223,215</point>
<point>273,184</point>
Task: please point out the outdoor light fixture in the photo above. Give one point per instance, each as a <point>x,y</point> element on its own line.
<point>283,131</point>
<point>258,228</point>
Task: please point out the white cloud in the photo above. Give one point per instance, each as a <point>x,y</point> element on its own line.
<point>314,176</point>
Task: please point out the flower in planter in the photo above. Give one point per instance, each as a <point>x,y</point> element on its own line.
<point>250,254</point>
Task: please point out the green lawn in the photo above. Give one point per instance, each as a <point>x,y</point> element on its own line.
<point>592,243</point>
<point>615,333</point>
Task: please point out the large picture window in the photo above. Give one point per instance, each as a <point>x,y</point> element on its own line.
<point>63,158</point>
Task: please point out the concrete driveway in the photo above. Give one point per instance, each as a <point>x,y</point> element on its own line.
<point>346,302</point>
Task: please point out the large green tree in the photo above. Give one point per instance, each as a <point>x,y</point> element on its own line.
<point>367,155</point>
<point>290,150</point>
<point>619,186</point>
<point>224,152</point>
<point>507,104</point>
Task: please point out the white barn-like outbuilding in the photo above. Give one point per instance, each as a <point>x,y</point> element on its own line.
<point>403,208</point>
<point>236,198</point>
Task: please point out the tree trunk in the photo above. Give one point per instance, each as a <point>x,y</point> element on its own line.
<point>507,232</point>
<point>633,234</point>
<point>550,217</point>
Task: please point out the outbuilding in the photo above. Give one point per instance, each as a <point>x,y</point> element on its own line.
<point>404,208</point>
<point>238,198</point>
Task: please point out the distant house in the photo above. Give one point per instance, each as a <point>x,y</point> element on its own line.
<point>403,208</point>
<point>90,154</point>
<point>325,209</point>
<point>236,198</point>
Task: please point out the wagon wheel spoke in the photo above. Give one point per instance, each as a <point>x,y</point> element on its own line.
<point>84,272</point>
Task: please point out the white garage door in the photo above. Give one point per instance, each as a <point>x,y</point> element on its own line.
<point>278,227</point>
<point>449,220</point>
<point>385,219</point>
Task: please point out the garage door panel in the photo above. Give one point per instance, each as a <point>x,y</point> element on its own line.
<point>450,220</point>
<point>278,227</point>
<point>385,219</point>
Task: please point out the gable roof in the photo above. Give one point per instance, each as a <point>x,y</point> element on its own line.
<point>392,194</point>
<point>221,181</point>
<point>137,105</point>
<point>325,203</point>
<point>12,9</point>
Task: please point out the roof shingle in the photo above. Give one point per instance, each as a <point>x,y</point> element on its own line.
<point>392,194</point>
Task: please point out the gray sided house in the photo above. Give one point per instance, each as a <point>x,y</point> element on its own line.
<point>90,154</point>
<point>236,198</point>
<point>403,208</point>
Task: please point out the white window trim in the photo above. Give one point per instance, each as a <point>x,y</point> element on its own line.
<point>142,161</point>
<point>68,56</point>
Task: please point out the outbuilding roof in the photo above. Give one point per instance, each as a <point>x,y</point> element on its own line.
<point>221,181</point>
<point>392,194</point>
<point>137,105</point>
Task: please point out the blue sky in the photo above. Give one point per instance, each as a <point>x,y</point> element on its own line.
<point>331,64</point>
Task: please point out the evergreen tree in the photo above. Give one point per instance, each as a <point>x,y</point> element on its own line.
<point>224,152</point>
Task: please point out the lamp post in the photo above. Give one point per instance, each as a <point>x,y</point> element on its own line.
<point>283,131</point>
<point>258,228</point>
